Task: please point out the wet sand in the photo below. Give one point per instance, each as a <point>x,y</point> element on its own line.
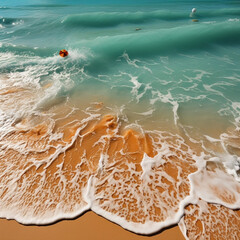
<point>211,221</point>
<point>83,143</point>
<point>88,227</point>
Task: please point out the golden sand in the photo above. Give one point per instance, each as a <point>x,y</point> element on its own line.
<point>87,227</point>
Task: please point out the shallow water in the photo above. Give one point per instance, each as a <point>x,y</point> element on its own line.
<point>133,124</point>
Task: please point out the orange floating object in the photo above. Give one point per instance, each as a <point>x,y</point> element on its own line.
<point>63,53</point>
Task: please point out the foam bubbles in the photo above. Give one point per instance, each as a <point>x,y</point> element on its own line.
<point>210,221</point>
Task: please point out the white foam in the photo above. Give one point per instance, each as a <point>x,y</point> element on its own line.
<point>147,113</point>
<point>236,107</point>
<point>18,22</point>
<point>183,228</point>
<point>147,165</point>
<point>143,202</point>
<point>129,61</point>
<point>232,165</point>
<point>214,186</point>
<point>102,160</point>
<point>233,20</point>
<point>211,139</point>
<point>149,227</point>
<point>136,84</point>
<point>167,98</point>
<point>76,54</point>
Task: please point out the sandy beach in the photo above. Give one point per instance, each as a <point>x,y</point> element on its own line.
<point>88,227</point>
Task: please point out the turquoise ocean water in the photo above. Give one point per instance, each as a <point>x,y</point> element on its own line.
<point>147,61</point>
<point>172,59</point>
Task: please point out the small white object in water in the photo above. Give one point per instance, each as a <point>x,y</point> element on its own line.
<point>194,10</point>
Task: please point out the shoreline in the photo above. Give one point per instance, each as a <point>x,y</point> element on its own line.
<point>88,226</point>
<point>127,162</point>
